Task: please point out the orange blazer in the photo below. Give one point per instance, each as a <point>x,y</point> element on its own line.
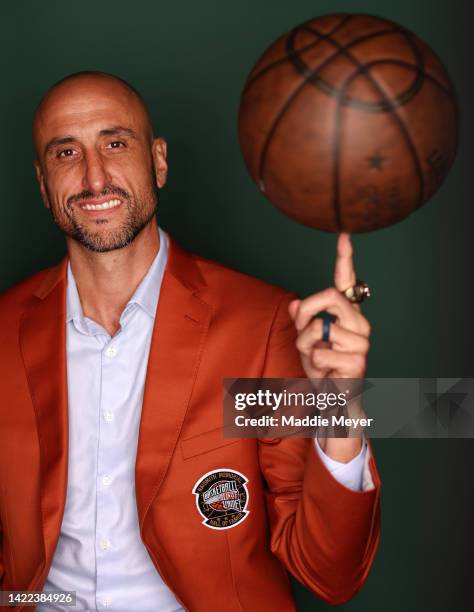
<point>211,323</point>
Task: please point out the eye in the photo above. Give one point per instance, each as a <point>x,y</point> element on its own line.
<point>65,153</point>
<point>116,144</point>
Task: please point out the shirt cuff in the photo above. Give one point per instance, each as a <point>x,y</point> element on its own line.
<point>350,474</point>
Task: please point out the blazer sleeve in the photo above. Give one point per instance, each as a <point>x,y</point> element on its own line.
<point>325,534</point>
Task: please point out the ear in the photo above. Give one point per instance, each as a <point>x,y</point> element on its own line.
<point>40,177</point>
<point>158,150</point>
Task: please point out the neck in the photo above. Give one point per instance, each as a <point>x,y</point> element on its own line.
<point>106,281</point>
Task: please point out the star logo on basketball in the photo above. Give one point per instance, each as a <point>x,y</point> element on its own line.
<point>222,498</point>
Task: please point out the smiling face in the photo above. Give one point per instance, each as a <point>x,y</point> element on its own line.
<point>97,163</point>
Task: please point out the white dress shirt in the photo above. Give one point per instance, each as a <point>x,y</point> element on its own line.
<point>99,553</point>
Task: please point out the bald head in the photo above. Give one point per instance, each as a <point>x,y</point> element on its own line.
<point>98,164</point>
<point>75,94</point>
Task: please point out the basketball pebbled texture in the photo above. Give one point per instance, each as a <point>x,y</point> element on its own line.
<point>348,123</point>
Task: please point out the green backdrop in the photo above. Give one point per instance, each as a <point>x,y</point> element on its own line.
<point>190,60</point>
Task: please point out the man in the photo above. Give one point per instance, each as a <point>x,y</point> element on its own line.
<point>113,364</point>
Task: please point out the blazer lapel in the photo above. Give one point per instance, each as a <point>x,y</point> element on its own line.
<point>181,324</point>
<point>43,348</point>
<point>179,333</point>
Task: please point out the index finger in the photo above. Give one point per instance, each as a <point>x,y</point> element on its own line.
<point>344,273</point>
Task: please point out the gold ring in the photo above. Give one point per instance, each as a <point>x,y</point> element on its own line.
<point>358,292</point>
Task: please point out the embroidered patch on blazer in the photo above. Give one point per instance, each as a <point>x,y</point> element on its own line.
<point>222,498</point>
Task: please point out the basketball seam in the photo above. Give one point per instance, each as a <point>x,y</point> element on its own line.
<point>399,100</point>
<point>363,69</point>
<point>426,75</point>
<point>287,57</point>
<point>294,93</point>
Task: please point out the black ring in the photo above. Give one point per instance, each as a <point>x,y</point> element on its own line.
<point>326,329</point>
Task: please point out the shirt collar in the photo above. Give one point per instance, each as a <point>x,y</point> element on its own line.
<point>146,294</point>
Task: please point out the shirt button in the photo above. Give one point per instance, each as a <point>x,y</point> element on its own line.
<point>104,544</point>
<point>106,602</point>
<point>108,416</point>
<point>111,351</point>
<point>106,480</point>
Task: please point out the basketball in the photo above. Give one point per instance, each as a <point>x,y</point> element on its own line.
<point>348,123</point>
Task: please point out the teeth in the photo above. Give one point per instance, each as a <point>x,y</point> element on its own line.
<point>103,206</point>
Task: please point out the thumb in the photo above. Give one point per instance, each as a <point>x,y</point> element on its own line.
<point>293,308</point>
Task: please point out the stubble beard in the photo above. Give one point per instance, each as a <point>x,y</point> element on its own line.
<point>140,212</point>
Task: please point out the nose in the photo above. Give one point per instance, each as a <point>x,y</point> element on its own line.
<point>96,177</point>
